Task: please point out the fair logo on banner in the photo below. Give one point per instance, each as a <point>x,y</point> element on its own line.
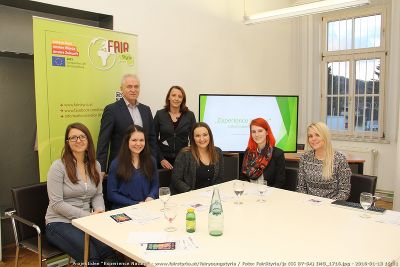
<point>104,53</point>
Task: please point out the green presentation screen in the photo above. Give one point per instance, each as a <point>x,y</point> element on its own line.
<point>229,117</point>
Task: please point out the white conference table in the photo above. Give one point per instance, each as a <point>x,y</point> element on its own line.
<point>286,229</point>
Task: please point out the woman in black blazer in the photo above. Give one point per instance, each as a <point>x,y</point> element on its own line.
<point>262,160</point>
<point>172,126</point>
<point>199,165</point>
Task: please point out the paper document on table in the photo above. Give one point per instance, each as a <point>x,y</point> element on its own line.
<point>224,197</point>
<point>142,216</point>
<point>148,237</point>
<point>389,216</point>
<point>196,205</point>
<point>186,243</point>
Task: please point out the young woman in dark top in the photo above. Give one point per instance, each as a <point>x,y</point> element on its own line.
<point>172,126</point>
<point>262,160</point>
<point>199,165</point>
<point>133,176</point>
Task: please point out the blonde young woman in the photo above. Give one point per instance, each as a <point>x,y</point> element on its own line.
<point>323,172</point>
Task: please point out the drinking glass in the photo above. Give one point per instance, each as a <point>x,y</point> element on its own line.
<point>262,188</point>
<point>164,193</point>
<point>170,212</point>
<point>366,200</point>
<point>238,188</point>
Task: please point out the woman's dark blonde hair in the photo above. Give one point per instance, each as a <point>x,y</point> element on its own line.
<point>323,131</point>
<point>212,152</point>
<point>69,159</point>
<point>183,108</point>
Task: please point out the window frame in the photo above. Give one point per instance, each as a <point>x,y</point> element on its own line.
<point>352,55</point>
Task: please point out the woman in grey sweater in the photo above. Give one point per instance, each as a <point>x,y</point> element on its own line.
<point>75,190</point>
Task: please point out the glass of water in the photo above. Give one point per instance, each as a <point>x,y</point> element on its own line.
<point>164,193</point>
<point>170,212</point>
<point>261,188</point>
<point>366,200</point>
<point>238,188</point>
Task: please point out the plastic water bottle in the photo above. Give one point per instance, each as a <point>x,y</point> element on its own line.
<point>216,215</point>
<point>190,221</point>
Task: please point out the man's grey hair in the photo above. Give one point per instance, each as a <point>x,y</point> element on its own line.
<point>127,76</point>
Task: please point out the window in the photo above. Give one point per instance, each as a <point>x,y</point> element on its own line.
<point>353,71</point>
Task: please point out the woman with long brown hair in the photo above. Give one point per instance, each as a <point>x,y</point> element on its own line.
<point>75,190</point>
<point>133,175</point>
<point>199,165</point>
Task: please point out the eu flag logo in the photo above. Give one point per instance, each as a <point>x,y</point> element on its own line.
<point>58,61</point>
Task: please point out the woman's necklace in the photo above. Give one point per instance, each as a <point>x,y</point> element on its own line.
<point>83,174</point>
<point>174,116</point>
<point>204,158</point>
<point>136,163</point>
<point>82,171</point>
<point>320,155</point>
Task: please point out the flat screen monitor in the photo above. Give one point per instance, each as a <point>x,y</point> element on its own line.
<point>229,117</point>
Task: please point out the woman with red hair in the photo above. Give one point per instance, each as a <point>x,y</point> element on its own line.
<point>262,160</point>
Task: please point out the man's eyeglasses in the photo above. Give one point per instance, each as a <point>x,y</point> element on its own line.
<point>75,138</point>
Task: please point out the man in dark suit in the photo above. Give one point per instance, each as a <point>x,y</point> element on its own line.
<point>118,116</point>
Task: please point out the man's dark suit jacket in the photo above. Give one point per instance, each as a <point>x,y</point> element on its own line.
<point>114,122</point>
